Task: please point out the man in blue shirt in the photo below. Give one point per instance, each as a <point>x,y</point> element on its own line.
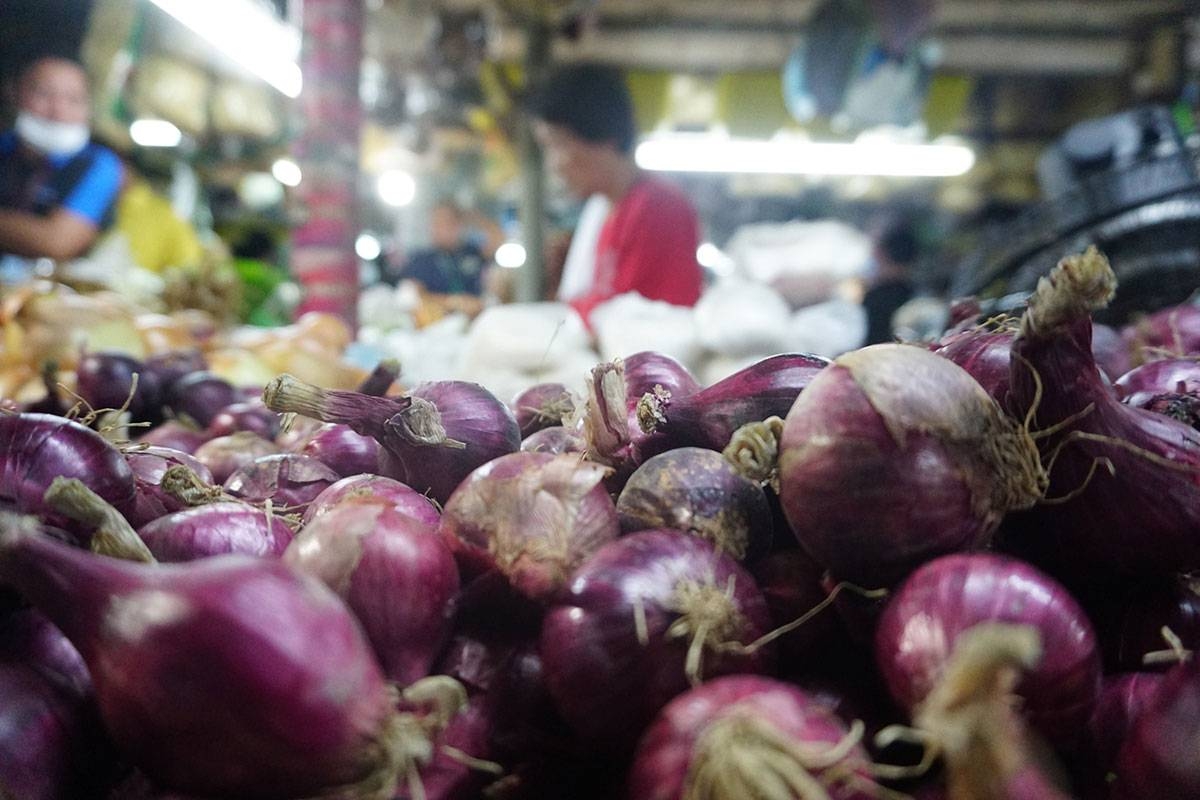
<point>57,188</point>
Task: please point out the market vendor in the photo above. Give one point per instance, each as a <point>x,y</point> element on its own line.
<point>57,187</point>
<point>647,244</point>
<point>453,269</point>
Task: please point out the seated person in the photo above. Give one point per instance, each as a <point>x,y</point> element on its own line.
<point>452,269</point>
<point>57,188</point>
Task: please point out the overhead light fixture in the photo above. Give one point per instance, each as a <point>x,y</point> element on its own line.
<point>396,187</point>
<point>286,172</point>
<point>154,133</point>
<point>707,153</point>
<point>712,257</point>
<point>247,33</point>
<point>367,246</point>
<point>510,255</point>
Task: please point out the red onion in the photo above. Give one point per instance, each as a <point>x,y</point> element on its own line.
<point>1127,481</point>
<point>894,455</point>
<point>642,617</point>
<point>342,450</point>
<point>533,517</point>
<point>647,369</point>
<point>432,438</point>
<point>175,435</point>
<point>746,736</point>
<point>1158,758</point>
<point>288,480</point>
<point>26,636</point>
<point>1131,624</point>
<point>709,417</point>
<point>216,529</point>
<point>149,465</point>
<point>53,402</point>
<point>200,396</point>
<point>374,487</point>
<point>698,491</point>
<point>609,430</point>
<point>225,455</point>
<point>37,448</point>
<point>458,770</point>
<point>950,595</point>
<point>1173,331</point>
<point>791,583</point>
<point>381,378</point>
<point>1111,351</point>
<point>1122,700</point>
<point>395,573</point>
<point>171,366</point>
<point>249,415</point>
<point>984,354</point>
<point>105,381</point>
<point>542,405</point>
<point>1170,376</point>
<point>230,676</point>
<point>554,440</point>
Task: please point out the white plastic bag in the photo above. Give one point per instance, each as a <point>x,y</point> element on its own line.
<point>629,323</point>
<point>524,337</point>
<point>737,318</point>
<point>827,329</point>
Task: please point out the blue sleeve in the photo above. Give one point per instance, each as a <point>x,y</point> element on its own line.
<point>97,189</point>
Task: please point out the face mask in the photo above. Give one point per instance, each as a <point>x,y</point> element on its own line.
<point>52,138</point>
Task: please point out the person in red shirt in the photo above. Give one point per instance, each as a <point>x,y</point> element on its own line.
<point>584,122</point>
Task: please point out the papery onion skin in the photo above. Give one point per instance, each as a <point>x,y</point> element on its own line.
<point>249,415</point>
<point>708,418</point>
<point>698,491</point>
<point>554,440</point>
<point>1168,332</point>
<point>542,406</point>
<point>149,465</point>
<point>985,355</point>
<point>893,456</point>
<point>648,369</point>
<point>954,593</point>
<point>394,572</point>
<point>447,778</point>
<point>1158,758</point>
<point>105,381</point>
<point>367,486</point>
<point>533,517</point>
<point>1137,515</point>
<point>670,747</point>
<point>342,450</point>
<point>604,681</point>
<point>288,480</point>
<point>216,529</point>
<point>225,455</point>
<point>174,434</point>
<point>36,448</point>
<point>791,583</point>
<point>1142,384</point>
<point>1122,700</point>
<point>231,676</point>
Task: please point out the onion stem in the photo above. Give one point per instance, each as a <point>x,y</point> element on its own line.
<point>112,534</point>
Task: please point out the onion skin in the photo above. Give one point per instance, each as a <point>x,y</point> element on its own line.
<point>985,355</point>
<point>554,440</point>
<point>149,465</point>
<point>216,529</point>
<point>893,456</point>
<point>375,487</point>
<point>950,595</point>
<point>708,418</point>
<point>647,369</point>
<point>446,778</point>
<point>175,435</point>
<point>533,517</point>
<point>288,480</point>
<point>250,415</point>
<point>1130,623</point>
<point>604,681</point>
<point>1170,376</point>
<point>39,447</point>
<point>394,572</point>
<point>1158,758</point>
<point>225,455</point>
<point>200,396</point>
<point>104,381</point>
<point>1138,520</point>
<point>699,492</point>
<point>342,450</point>
<point>1122,700</point>
<point>202,687</point>
<point>686,732</point>
<point>542,406</point>
<point>1168,332</point>
<point>171,366</point>
<point>791,583</point>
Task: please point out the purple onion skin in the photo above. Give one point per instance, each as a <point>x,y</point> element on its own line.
<point>709,417</point>
<point>791,583</point>
<point>647,369</point>
<point>26,636</point>
<point>949,595</point>
<point>394,572</point>
<point>533,517</point>
<point>249,415</point>
<point>228,677</point>
<point>288,480</point>
<point>174,435</point>
<point>541,406</point>
<point>1169,376</point>
<point>299,431</point>
<point>554,440</point>
<point>1129,623</point>
<point>225,455</point>
<point>342,450</point>
<point>607,684</point>
<point>200,396</point>
<point>868,504</point>
<point>374,487</point>
<point>667,749</point>
<point>37,448</point>
<point>170,367</point>
<point>1110,351</point>
<point>216,529</point>
<point>1122,700</point>
<point>1139,521</point>
<point>104,380</point>
<point>149,466</point>
<point>1158,758</point>
<point>1173,331</point>
<point>446,778</point>
<point>699,492</point>
<point>985,355</point>
<point>470,414</point>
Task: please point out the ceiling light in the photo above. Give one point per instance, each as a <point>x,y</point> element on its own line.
<point>510,255</point>
<point>154,133</point>
<point>367,246</point>
<point>286,172</point>
<point>396,187</point>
